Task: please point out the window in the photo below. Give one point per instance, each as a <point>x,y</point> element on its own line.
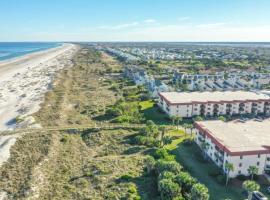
<point>240,164</point>
<point>241,157</point>
<point>258,163</point>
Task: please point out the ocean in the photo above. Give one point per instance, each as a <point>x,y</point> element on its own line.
<point>10,50</point>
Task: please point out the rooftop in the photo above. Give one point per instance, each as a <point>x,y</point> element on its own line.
<point>216,96</point>
<point>239,136</point>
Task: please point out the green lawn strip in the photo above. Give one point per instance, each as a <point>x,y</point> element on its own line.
<point>179,134</point>
<point>151,112</point>
<point>186,155</point>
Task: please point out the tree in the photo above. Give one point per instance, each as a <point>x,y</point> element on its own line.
<point>166,175</point>
<point>151,129</point>
<point>163,132</point>
<point>199,192</point>
<point>173,118</point>
<point>168,189</point>
<point>178,119</point>
<point>228,167</point>
<point>185,126</point>
<point>172,166</point>
<point>166,140</point>
<point>186,181</point>
<point>191,127</point>
<point>250,186</point>
<point>253,170</point>
<point>150,164</point>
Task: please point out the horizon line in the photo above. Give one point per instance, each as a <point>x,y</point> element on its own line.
<point>112,41</point>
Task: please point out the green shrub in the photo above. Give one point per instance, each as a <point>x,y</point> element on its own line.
<point>171,166</point>
<point>132,189</point>
<point>185,180</point>
<point>168,189</point>
<point>199,192</point>
<point>126,177</point>
<point>147,141</point>
<point>163,154</point>
<point>166,175</point>
<point>19,119</point>
<point>150,164</point>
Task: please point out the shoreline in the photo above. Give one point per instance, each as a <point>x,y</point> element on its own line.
<point>30,52</point>
<point>25,80</point>
<point>5,64</point>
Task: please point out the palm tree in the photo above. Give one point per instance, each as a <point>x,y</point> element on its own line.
<point>178,119</point>
<point>173,118</point>
<point>228,167</point>
<point>162,129</point>
<point>253,170</point>
<point>166,140</point>
<point>191,127</point>
<point>186,126</point>
<point>250,186</point>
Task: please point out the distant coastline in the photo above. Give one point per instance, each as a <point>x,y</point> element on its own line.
<point>11,50</point>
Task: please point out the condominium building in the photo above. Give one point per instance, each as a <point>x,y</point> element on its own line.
<point>189,104</point>
<point>242,144</point>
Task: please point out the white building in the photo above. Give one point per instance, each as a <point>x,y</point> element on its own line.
<point>189,104</point>
<point>242,144</point>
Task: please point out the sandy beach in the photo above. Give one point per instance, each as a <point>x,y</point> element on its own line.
<point>24,80</point>
<point>23,84</point>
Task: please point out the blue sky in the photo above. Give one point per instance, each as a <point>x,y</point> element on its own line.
<point>134,20</point>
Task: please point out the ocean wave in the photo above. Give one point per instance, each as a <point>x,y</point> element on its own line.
<point>4,54</point>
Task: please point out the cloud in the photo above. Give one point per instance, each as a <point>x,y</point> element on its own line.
<point>157,32</point>
<point>149,21</point>
<point>181,19</point>
<point>211,25</point>
<point>194,33</point>
<point>120,26</point>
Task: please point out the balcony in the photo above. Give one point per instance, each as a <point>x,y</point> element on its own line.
<point>201,139</point>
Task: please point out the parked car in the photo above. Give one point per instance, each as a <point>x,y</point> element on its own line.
<point>258,196</point>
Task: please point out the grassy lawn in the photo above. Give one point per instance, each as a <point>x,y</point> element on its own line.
<point>179,135</point>
<point>151,112</point>
<point>186,155</point>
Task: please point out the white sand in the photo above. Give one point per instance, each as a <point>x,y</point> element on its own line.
<point>5,143</point>
<point>23,83</point>
<point>24,80</point>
